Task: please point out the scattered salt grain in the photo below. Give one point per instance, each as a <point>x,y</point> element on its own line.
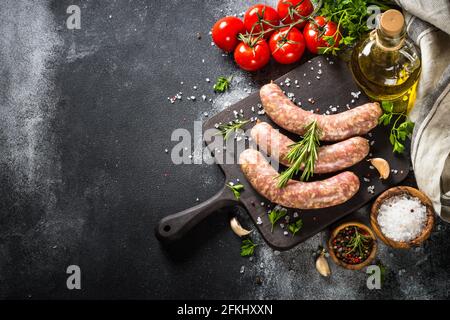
<point>402,218</point>
<point>259,221</point>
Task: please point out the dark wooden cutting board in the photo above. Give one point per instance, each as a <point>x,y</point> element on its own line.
<point>318,90</point>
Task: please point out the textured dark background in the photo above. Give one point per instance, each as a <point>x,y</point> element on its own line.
<point>84,121</point>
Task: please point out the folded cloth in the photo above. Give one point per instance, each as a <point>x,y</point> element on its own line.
<point>427,25</point>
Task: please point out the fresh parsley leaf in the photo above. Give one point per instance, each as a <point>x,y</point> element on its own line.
<point>401,128</point>
<point>387,106</point>
<point>295,227</point>
<point>222,84</point>
<point>236,189</point>
<point>351,17</point>
<point>275,215</point>
<point>247,248</point>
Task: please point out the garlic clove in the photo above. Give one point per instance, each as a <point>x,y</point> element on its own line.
<point>237,228</point>
<point>322,265</point>
<point>382,166</point>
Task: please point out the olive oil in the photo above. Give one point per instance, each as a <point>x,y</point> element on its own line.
<point>386,65</point>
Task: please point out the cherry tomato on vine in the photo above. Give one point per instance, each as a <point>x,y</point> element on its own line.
<point>260,17</point>
<point>293,10</point>
<point>314,34</point>
<point>287,46</point>
<point>252,57</point>
<point>225,33</point>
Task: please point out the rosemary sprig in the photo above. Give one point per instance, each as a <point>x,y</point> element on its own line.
<point>227,129</point>
<point>303,153</point>
<point>358,243</point>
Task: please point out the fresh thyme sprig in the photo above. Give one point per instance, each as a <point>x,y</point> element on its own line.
<point>227,129</point>
<point>301,153</point>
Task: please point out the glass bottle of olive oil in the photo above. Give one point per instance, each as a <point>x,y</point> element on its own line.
<point>386,64</point>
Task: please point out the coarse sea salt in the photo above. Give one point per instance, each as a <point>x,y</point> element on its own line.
<point>402,218</point>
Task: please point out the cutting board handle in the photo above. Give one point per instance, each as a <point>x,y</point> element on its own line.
<point>176,225</point>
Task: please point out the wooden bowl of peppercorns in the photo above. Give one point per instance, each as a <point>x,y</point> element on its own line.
<point>352,245</point>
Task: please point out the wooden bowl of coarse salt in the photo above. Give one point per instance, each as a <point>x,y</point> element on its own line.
<point>402,217</point>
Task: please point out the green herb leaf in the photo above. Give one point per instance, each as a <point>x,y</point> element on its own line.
<point>387,106</point>
<point>351,17</point>
<point>382,272</point>
<point>358,243</point>
<point>275,215</point>
<point>222,84</point>
<point>401,128</point>
<point>236,189</point>
<point>247,247</point>
<point>302,153</point>
<point>329,39</point>
<point>227,129</point>
<point>295,227</point>
<point>348,40</point>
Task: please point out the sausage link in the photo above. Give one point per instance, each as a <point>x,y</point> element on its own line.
<point>296,194</point>
<point>330,158</point>
<point>336,127</point>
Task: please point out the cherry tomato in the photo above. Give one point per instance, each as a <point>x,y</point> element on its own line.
<point>257,17</point>
<point>252,58</point>
<point>225,33</point>
<point>287,46</point>
<point>293,10</point>
<point>312,33</point>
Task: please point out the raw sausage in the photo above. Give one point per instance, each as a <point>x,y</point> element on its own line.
<point>296,194</point>
<point>330,158</point>
<point>336,127</point>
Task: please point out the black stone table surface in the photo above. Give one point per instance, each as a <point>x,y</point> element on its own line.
<point>84,177</point>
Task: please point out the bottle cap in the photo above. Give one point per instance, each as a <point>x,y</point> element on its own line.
<point>391,22</point>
